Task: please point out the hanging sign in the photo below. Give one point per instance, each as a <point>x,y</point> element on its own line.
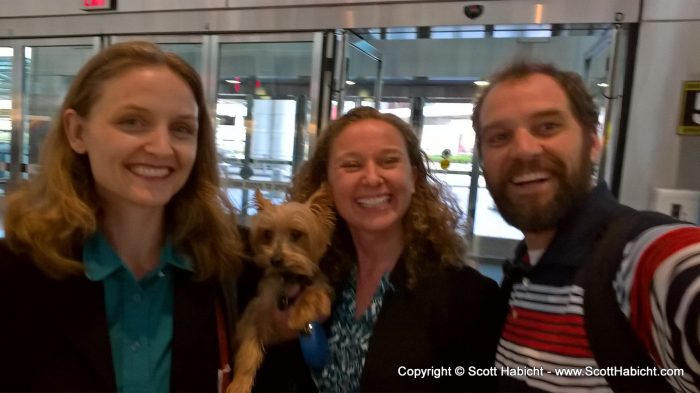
<point>690,109</point>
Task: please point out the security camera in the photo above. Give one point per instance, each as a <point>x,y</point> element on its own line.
<point>473,11</point>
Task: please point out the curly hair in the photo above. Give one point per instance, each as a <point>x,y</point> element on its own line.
<point>430,224</point>
<point>52,215</point>
<point>581,103</point>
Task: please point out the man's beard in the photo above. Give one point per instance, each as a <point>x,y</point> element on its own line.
<point>531,215</point>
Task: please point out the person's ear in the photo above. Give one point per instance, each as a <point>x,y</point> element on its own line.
<point>596,147</point>
<point>74,127</point>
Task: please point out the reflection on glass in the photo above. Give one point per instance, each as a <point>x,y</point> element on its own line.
<point>448,126</point>
<point>5,119</point>
<point>190,52</point>
<point>401,33</point>
<point>361,80</point>
<point>263,157</point>
<point>529,31</point>
<point>49,72</point>
<point>452,32</point>
<point>262,113</point>
<point>400,109</point>
<point>487,220</point>
<point>350,103</point>
<point>230,128</point>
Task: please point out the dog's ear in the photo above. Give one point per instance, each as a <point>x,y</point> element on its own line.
<point>321,203</point>
<point>260,202</point>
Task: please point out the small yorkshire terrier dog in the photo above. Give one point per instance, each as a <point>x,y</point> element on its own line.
<point>288,242</point>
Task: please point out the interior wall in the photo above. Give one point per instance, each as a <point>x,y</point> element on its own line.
<point>655,156</point>
<point>42,18</point>
<point>67,7</point>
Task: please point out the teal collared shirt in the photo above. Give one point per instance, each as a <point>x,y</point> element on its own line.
<point>139,315</point>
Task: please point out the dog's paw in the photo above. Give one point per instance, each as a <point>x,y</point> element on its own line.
<point>299,317</point>
<point>312,306</point>
<point>324,306</point>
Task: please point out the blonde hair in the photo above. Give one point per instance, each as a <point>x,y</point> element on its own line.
<point>431,222</point>
<point>51,216</point>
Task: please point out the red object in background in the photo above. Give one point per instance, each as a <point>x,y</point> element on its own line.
<point>460,146</point>
<point>97,5</point>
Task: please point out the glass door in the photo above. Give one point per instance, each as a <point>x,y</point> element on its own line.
<point>349,73</point>
<point>363,80</point>
<point>49,70</point>
<point>34,77</point>
<point>6,88</point>
<point>190,47</point>
<point>263,106</point>
<point>6,66</point>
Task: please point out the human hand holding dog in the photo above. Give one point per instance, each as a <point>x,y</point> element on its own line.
<point>281,315</point>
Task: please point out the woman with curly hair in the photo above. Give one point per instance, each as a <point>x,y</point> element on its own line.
<point>405,298</point>
<point>110,273</point>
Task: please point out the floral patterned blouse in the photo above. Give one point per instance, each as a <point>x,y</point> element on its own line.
<point>348,340</point>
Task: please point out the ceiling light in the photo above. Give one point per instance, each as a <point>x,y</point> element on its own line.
<point>349,82</point>
<point>233,81</point>
<point>482,83</point>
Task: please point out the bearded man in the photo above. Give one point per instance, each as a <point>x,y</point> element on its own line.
<point>600,296</point>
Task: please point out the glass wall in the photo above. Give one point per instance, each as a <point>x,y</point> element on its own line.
<point>49,72</point>
<point>6,54</point>
<point>262,115</point>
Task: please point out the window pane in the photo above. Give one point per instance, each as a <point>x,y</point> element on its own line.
<point>5,120</point>
<point>261,112</point>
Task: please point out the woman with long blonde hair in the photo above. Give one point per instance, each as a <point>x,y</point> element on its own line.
<point>114,253</point>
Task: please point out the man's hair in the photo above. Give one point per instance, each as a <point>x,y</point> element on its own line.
<point>433,215</point>
<point>581,103</point>
<point>56,211</point>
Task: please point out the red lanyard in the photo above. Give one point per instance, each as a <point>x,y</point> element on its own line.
<point>223,348</point>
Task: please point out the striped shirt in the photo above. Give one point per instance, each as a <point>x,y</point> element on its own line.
<point>544,329</point>
<point>658,289</point>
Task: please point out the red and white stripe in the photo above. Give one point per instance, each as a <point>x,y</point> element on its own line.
<point>666,320</point>
<point>544,328</point>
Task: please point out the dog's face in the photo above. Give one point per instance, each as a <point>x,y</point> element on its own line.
<point>292,237</point>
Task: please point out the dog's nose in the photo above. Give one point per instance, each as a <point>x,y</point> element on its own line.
<point>276,261</point>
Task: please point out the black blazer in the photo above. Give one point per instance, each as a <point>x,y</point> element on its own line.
<point>451,318</point>
<point>55,337</point>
